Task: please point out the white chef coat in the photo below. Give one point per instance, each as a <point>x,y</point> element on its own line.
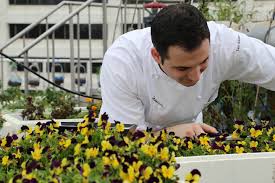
<point>136,91</point>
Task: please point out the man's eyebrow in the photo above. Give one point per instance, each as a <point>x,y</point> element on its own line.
<point>183,67</point>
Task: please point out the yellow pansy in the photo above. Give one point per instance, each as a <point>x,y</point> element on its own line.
<point>176,140</point>
<point>91,153</point>
<point>86,140</point>
<point>129,176</point>
<point>190,145</point>
<point>150,150</point>
<point>164,154</point>
<point>64,162</point>
<point>167,172</point>
<point>114,161</point>
<point>86,170</point>
<point>107,127</point>
<point>136,166</point>
<point>17,154</point>
<point>255,133</point>
<point>5,160</point>
<point>227,148</point>
<point>4,142</point>
<point>239,150</point>
<point>38,131</point>
<point>106,145</point>
<point>147,172</point>
<point>67,143</point>
<point>36,154</point>
<point>204,140</point>
<point>253,144</point>
<point>77,149</point>
<point>239,127</point>
<point>119,127</point>
<point>84,131</point>
<point>106,160</point>
<point>235,135</point>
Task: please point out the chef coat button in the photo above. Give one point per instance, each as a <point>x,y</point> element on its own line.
<point>199,97</point>
<point>155,76</point>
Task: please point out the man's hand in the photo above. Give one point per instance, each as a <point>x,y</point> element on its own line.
<point>191,129</point>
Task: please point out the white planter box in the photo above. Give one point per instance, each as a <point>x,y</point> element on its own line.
<point>230,168</point>
<point>14,122</point>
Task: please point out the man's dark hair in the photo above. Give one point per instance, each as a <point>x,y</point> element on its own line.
<point>178,25</point>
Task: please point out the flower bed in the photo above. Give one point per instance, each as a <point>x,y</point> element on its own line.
<point>42,105</point>
<point>90,154</point>
<point>97,152</point>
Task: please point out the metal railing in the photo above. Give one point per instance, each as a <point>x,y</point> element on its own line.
<point>50,31</point>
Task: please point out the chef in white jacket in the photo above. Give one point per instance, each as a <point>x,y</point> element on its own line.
<point>163,76</point>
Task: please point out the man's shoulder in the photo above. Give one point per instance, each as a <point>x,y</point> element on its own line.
<point>219,32</point>
<point>128,51</point>
<point>145,32</point>
<point>139,39</point>
<point>131,45</point>
<point>215,26</point>
<point>215,30</point>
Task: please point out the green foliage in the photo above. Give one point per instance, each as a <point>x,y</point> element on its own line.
<point>12,98</point>
<point>2,120</point>
<point>234,102</point>
<point>41,104</point>
<point>33,111</point>
<point>229,10</point>
<point>222,10</point>
<point>62,103</point>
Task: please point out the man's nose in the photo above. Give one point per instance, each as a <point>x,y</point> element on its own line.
<point>195,74</point>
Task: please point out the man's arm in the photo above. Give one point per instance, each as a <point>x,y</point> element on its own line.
<point>246,59</point>
<point>118,87</point>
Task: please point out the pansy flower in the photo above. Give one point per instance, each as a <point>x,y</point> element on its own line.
<point>255,132</point>
<point>167,172</point>
<point>193,177</point>
<point>239,125</point>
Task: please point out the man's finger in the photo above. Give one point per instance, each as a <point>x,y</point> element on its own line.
<point>208,128</point>
<point>189,133</point>
<point>198,130</point>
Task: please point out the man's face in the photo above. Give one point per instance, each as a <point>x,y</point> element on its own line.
<point>184,66</point>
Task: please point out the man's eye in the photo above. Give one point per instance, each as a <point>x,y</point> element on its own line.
<point>205,61</point>
<point>182,69</point>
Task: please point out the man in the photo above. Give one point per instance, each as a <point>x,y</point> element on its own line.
<point>163,76</point>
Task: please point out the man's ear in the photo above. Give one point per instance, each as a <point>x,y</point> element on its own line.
<point>155,54</point>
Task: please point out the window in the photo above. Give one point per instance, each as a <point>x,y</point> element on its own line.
<point>128,27</point>
<point>67,68</point>
<point>61,33</point>
<point>44,2</point>
<point>20,68</point>
<point>163,1</point>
